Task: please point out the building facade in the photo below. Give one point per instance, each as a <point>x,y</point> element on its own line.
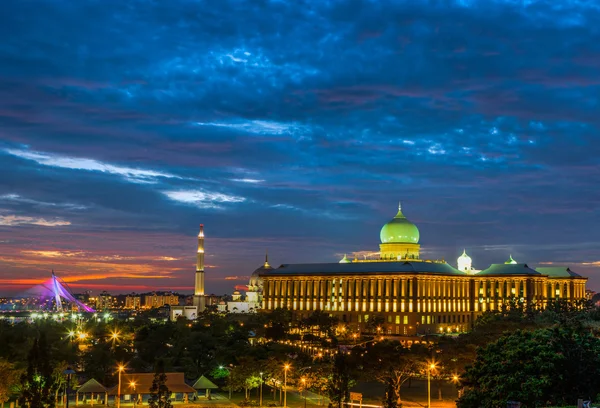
<point>133,302</point>
<point>158,300</point>
<point>412,295</point>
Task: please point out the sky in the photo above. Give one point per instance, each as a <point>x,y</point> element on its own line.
<point>294,127</point>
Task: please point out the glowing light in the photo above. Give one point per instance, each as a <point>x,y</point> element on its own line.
<point>114,335</point>
<point>82,336</point>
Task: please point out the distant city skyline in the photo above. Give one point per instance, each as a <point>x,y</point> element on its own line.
<point>293,127</point>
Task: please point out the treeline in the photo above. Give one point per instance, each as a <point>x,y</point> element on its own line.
<point>537,357</point>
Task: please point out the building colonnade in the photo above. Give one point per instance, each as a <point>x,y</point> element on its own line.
<point>413,303</point>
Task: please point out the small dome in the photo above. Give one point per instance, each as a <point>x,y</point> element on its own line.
<point>255,280</point>
<point>464,256</point>
<point>345,260</point>
<point>464,262</point>
<point>399,230</point>
<point>510,260</point>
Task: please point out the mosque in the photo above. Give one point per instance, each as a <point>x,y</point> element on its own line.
<point>413,295</point>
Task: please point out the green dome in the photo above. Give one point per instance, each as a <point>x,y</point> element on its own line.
<point>399,230</point>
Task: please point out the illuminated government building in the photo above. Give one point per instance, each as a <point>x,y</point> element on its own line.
<point>413,295</point>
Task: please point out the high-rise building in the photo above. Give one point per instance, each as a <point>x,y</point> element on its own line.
<point>170,299</point>
<point>153,300</point>
<point>133,301</point>
<point>104,301</point>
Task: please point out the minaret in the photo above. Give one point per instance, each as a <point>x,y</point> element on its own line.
<point>199,299</point>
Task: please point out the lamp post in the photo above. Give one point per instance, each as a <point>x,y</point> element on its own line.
<point>69,371</point>
<point>120,368</point>
<point>261,382</point>
<point>230,380</point>
<point>304,390</point>
<point>285,370</point>
<point>455,380</point>
<point>429,368</point>
<point>132,386</point>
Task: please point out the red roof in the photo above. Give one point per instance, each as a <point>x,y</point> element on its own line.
<point>143,383</point>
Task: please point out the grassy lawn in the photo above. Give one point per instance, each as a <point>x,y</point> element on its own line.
<point>294,399</point>
<point>413,396</point>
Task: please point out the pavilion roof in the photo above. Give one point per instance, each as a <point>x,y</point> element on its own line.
<point>92,386</point>
<point>204,383</point>
<point>143,383</point>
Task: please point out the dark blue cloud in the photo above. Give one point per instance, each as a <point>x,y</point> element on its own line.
<point>298,125</point>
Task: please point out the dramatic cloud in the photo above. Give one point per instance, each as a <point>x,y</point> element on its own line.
<point>75,163</point>
<point>297,127</point>
<point>15,220</point>
<point>202,199</point>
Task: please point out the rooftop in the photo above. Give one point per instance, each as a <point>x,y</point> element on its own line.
<point>408,267</point>
<point>557,272</point>
<point>509,269</point>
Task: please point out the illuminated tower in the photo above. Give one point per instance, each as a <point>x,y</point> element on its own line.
<point>199,300</point>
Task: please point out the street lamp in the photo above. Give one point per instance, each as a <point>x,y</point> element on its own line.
<point>456,381</point>
<point>285,370</point>
<point>120,368</point>
<point>132,385</point>
<point>429,368</point>
<point>230,380</point>
<point>114,335</point>
<point>304,390</point>
<point>69,372</point>
<point>261,382</point>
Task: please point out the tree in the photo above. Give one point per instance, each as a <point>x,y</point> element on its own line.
<point>159,392</point>
<point>280,324</point>
<point>338,385</point>
<point>245,375</point>
<point>391,397</point>
<point>38,385</point>
<point>9,378</point>
<point>375,324</point>
<point>322,322</point>
<point>545,367</point>
<point>392,364</point>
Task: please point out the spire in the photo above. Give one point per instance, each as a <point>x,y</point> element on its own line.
<point>399,215</point>
<point>266,265</point>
